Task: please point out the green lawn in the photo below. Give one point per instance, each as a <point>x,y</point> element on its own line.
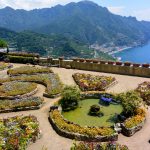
<point>80,115</point>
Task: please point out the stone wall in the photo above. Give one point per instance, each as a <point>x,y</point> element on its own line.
<point>142,70</point>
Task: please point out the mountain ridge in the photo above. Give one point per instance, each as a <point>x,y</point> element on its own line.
<point>85,21</point>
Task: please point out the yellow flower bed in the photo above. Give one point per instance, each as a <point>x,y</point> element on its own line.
<point>137,119</point>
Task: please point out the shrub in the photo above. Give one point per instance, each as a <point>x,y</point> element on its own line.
<point>21,59</point>
<point>130,101</point>
<point>95,111</point>
<point>70,97</point>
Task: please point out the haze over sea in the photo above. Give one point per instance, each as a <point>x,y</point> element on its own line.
<point>139,54</point>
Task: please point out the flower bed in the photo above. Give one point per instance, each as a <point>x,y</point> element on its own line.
<point>75,131</point>
<point>98,146</point>
<point>51,81</point>
<point>28,103</point>
<point>16,88</point>
<point>88,82</point>
<point>18,132</point>
<point>4,65</point>
<point>144,90</point>
<point>134,123</point>
<point>29,70</point>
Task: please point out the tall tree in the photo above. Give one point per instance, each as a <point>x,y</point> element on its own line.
<point>3,44</point>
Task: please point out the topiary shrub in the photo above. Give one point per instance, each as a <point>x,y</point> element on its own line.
<point>95,111</point>
<point>70,97</point>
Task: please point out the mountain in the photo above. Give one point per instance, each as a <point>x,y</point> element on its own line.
<point>84,21</point>
<point>53,45</point>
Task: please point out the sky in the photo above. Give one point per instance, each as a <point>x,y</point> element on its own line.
<point>137,8</point>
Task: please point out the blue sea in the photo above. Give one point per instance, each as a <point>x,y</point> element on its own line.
<point>139,54</point>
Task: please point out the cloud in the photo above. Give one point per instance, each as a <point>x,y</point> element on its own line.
<point>31,4</point>
<point>116,9</point>
<point>142,14</point>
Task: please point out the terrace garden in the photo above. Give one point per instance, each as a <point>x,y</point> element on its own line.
<point>85,112</point>
<point>88,82</point>
<point>97,117</point>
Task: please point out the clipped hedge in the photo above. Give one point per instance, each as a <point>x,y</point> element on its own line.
<point>29,70</point>
<point>21,59</point>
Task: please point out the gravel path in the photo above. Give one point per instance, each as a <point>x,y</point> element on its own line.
<point>52,141</point>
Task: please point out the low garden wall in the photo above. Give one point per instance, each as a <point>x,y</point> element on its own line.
<point>126,68</point>
<point>77,136</point>
<point>133,69</point>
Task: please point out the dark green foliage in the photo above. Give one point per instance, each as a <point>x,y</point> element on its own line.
<point>20,59</point>
<point>70,98</point>
<point>95,111</point>
<point>131,101</point>
<point>3,43</point>
<point>53,45</point>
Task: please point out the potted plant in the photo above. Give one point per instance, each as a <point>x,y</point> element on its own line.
<point>136,65</point>
<point>127,64</point>
<point>95,61</point>
<point>119,63</point>
<point>110,62</point>
<point>145,65</point>
<point>103,62</point>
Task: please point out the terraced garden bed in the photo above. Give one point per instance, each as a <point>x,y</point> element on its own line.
<point>16,88</point>
<point>18,132</point>
<point>51,81</point>
<point>88,82</point>
<point>29,70</point>
<point>28,103</point>
<point>99,146</point>
<point>144,90</point>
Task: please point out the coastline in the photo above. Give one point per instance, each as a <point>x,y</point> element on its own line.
<point>120,50</point>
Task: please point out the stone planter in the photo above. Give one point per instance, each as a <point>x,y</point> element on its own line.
<point>131,131</point>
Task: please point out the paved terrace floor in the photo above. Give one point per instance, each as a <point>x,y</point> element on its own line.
<point>52,141</point>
